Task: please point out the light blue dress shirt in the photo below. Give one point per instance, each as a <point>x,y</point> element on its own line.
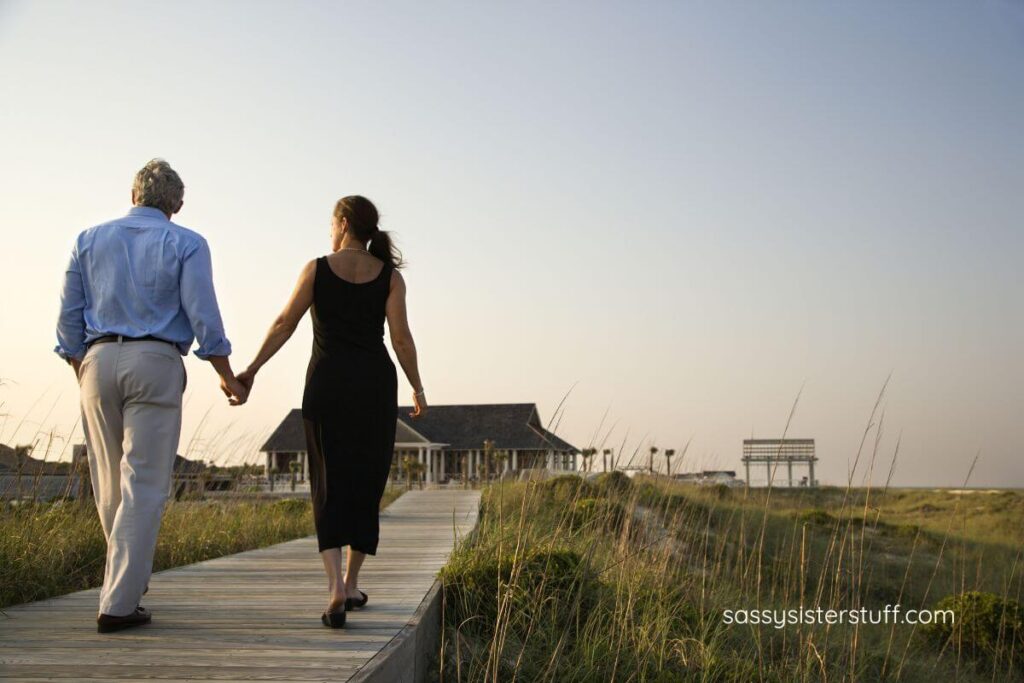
<point>136,276</point>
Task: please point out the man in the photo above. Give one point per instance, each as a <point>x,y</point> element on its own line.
<point>137,291</point>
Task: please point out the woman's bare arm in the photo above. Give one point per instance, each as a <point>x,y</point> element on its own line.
<point>285,323</point>
<point>402,342</point>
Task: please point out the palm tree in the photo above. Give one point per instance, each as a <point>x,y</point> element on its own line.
<point>587,454</point>
<point>669,452</point>
<point>418,468</point>
<point>488,451</point>
<point>408,465</point>
<point>650,462</point>
<point>501,457</point>
<point>606,454</point>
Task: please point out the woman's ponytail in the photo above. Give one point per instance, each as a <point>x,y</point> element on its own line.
<point>362,220</point>
<point>383,248</point>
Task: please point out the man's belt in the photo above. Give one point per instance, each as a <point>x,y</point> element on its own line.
<point>121,337</point>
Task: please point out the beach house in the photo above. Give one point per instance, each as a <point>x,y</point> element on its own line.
<point>453,442</point>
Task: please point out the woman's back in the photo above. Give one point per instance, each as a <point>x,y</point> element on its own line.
<point>349,303</point>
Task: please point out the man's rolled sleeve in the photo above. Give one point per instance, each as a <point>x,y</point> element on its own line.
<point>71,320</point>
<point>199,301</point>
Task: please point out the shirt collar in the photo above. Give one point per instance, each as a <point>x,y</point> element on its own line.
<point>148,211</point>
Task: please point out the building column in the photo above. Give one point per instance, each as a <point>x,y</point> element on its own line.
<point>551,459</point>
<point>441,476</point>
<point>472,463</point>
<point>515,460</point>
<point>747,466</point>
<point>268,465</point>
<point>305,465</point>
<point>811,482</point>
<point>789,466</point>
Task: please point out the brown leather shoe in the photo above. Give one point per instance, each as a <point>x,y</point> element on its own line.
<point>105,623</point>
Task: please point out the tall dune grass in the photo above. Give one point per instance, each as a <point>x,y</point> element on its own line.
<point>618,579</point>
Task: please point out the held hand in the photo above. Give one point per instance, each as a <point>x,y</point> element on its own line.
<point>236,392</point>
<point>419,405</point>
<point>247,377</point>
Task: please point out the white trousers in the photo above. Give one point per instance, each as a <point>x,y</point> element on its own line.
<point>131,414</point>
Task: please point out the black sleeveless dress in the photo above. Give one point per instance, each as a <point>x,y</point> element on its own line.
<point>349,408</point>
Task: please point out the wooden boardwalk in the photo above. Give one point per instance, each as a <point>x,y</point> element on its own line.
<point>250,616</point>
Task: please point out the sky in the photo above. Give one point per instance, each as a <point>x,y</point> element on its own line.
<point>669,224</point>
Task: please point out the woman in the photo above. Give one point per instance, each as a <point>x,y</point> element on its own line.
<point>349,405</point>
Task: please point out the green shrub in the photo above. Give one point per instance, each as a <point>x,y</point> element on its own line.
<point>598,513</point>
<point>898,530</point>
<point>816,517</point>
<point>291,506</point>
<point>613,483</point>
<point>986,627</point>
<point>567,487</point>
<point>555,583</point>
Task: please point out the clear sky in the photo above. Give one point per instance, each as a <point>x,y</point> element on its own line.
<point>686,213</point>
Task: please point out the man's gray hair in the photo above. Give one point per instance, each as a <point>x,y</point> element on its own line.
<point>158,185</point>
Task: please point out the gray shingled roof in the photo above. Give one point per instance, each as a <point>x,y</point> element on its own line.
<point>405,434</point>
<point>290,435</point>
<point>509,425</point>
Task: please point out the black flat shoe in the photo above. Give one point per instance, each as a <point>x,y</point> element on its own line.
<point>351,602</point>
<point>107,623</point>
<point>333,619</point>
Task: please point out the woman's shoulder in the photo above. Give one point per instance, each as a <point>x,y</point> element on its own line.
<point>310,269</point>
<point>395,279</point>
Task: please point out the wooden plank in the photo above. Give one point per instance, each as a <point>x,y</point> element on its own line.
<point>250,616</point>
